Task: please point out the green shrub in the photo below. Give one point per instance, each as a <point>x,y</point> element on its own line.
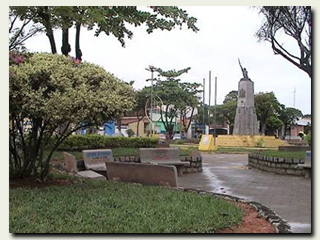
<point>259,142</point>
<point>308,139</point>
<point>180,142</point>
<point>94,141</point>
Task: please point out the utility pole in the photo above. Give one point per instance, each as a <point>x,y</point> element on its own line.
<point>203,106</point>
<point>294,98</point>
<point>151,69</point>
<point>209,99</point>
<point>215,110</point>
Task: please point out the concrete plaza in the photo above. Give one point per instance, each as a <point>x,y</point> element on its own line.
<point>288,196</point>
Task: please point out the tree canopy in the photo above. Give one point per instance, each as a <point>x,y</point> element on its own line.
<point>295,23</point>
<point>289,116</point>
<point>51,96</point>
<point>266,105</point>
<point>179,98</point>
<point>111,20</point>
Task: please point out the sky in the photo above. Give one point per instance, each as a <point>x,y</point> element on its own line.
<point>226,34</point>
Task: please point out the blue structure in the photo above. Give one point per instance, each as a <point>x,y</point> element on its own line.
<point>83,130</point>
<point>110,128</point>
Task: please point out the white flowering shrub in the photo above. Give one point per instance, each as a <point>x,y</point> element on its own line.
<point>57,96</point>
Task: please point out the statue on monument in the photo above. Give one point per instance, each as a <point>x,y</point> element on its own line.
<point>244,70</point>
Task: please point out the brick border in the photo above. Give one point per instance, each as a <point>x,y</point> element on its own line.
<point>277,165</point>
<point>279,224</point>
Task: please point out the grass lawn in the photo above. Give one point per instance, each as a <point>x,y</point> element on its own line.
<point>235,150</point>
<point>101,206</point>
<point>281,154</point>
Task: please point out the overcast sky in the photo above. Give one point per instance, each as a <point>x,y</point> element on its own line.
<point>226,34</point>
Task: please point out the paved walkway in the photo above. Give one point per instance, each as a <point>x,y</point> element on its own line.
<point>288,196</point>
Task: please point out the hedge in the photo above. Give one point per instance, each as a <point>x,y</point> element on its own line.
<point>94,141</point>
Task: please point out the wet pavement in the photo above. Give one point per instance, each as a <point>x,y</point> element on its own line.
<point>288,196</point>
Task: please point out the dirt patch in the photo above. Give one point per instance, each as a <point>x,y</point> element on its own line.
<point>32,182</point>
<point>251,222</point>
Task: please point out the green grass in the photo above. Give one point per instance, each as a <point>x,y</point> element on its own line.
<point>265,152</point>
<point>235,150</point>
<point>106,207</point>
<point>282,154</point>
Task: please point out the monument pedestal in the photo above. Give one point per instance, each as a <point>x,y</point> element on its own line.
<point>246,119</point>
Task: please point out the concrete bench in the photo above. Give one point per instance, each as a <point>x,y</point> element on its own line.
<point>163,156</point>
<point>148,174</point>
<point>307,165</point>
<point>70,165</point>
<point>95,159</point>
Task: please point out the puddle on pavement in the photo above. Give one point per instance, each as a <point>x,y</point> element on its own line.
<point>217,185</point>
<point>214,182</point>
<point>240,167</point>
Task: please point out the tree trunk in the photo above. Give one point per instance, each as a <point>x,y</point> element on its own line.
<point>45,16</point>
<point>65,49</point>
<point>52,41</point>
<point>77,44</point>
<point>230,129</point>
<point>263,129</point>
<point>138,123</point>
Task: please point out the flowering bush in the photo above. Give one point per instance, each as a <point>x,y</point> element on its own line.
<point>16,58</point>
<point>56,97</point>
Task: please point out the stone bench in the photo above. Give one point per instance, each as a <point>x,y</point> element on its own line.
<point>95,159</point>
<point>147,174</point>
<point>307,165</point>
<point>70,165</point>
<point>163,156</point>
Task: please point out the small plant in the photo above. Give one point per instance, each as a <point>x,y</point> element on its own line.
<point>259,142</point>
<point>308,139</point>
<point>180,142</point>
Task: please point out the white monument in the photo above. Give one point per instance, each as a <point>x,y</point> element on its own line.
<point>246,119</point>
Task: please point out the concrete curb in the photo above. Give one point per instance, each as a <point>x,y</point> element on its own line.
<point>279,224</point>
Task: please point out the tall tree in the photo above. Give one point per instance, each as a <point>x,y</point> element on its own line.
<point>226,112</point>
<point>266,105</point>
<point>289,116</point>
<point>273,124</point>
<point>20,31</point>
<point>139,108</point>
<point>295,23</point>
<point>109,20</point>
<point>232,96</point>
<point>179,98</point>
<point>42,15</point>
<point>190,102</point>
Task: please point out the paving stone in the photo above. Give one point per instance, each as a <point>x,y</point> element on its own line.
<point>288,195</point>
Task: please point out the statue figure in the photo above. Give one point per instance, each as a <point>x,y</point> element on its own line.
<point>244,70</point>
